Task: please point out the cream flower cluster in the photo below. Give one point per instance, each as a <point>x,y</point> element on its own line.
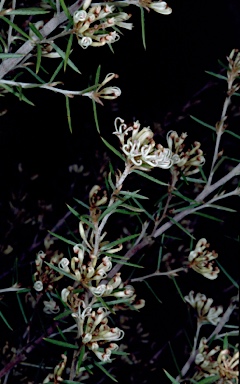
<point>140,149</point>
<point>101,92</point>
<point>90,24</point>
<point>233,72</point>
<point>205,312</point>
<point>224,365</point>
<point>44,276</point>
<point>189,161</point>
<point>201,260</point>
<point>157,6</point>
<point>94,331</point>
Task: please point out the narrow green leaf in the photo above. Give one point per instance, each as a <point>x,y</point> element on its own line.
<point>178,288</point>
<point>149,177</point>
<point>14,26</point>
<point>171,378</point>
<point>39,57</point>
<point>209,380</point>
<point>133,194</point>
<point>66,10</point>
<point>114,150</point>
<point>5,321</point>
<point>62,315</point>
<point>21,309</point>
<point>181,227</point>
<point>143,28</point>
<point>111,209</point>
<point>81,203</point>
<point>68,114</point>
<point>113,302</point>
<point>232,133</point>
<point>61,271</point>
<point>38,78</point>
<point>214,128</point>
<point>225,342</point>
<point>126,263</point>
<point>125,212</point>
<point>63,56</point>
<point>80,358</point>
<point>68,51</point>
<point>97,76</point>
<point>111,182</point>
<point>174,357</point>
<point>150,288</point>
<point>145,211</point>
<point>56,72</point>
<point>223,65</point>
<point>83,218</point>
<point>75,213</point>
<point>131,208</point>
<point>160,253</point>
<point>61,343</point>
<point>217,75</point>
<point>227,274</point>
<point>104,304</point>
<point>119,241</point>
<point>177,193</point>
<point>204,124</point>
<point>10,55</point>
<point>61,334</point>
<point>95,115</point>
<point>62,238</point>
<point>184,208</point>
<point>36,31</point>
<point>192,180</point>
<point>208,216</point>
<point>222,208</point>
<point>105,371</point>
<point>28,11</point>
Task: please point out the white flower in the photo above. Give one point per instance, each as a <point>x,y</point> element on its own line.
<point>201,260</point>
<point>64,294</point>
<point>79,16</point>
<point>98,291</point>
<point>50,307</point>
<point>160,7</point>
<point>109,93</point>
<point>85,42</point>
<point>63,264</point>
<point>140,149</point>
<point>205,312</point>
<point>38,286</point>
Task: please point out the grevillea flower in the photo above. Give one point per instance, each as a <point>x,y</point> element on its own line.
<point>216,362</point>
<point>189,161</point>
<point>205,312</point>
<point>157,6</point>
<point>140,150</point>
<point>108,93</point>
<point>94,330</point>
<point>201,260</point>
<point>91,24</point>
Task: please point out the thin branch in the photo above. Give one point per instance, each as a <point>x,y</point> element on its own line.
<point>220,130</point>
<point>158,273</point>
<point>10,64</point>
<point>209,189</point>
<point>49,86</point>
<point>223,321</point>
